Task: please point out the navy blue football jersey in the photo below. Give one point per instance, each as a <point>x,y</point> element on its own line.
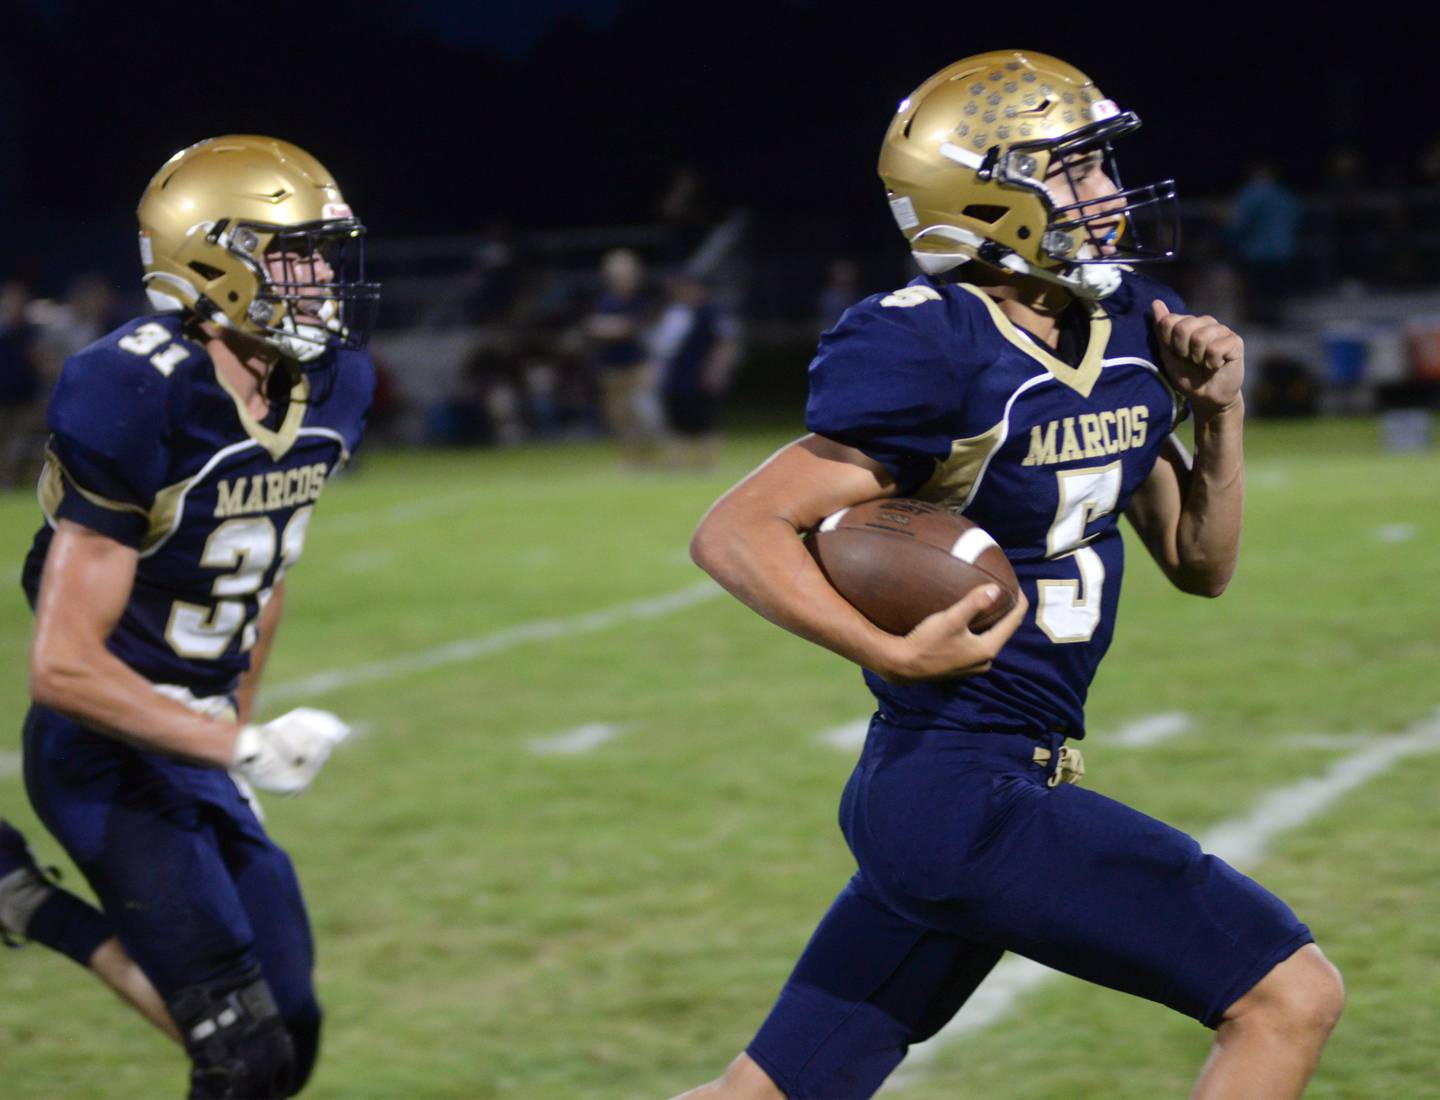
<point>969,411</point>
<point>150,447</point>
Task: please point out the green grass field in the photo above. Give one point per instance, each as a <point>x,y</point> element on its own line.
<point>493,922</point>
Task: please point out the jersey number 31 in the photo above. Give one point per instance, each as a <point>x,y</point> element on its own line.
<point>248,547</point>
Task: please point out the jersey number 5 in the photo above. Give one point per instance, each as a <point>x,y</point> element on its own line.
<point>1069,611</point>
<point>248,547</point>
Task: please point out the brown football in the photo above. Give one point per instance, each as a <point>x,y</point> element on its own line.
<point>898,561</point>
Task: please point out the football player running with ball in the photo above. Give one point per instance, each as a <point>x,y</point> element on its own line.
<point>1029,379</point>
<point>187,450</point>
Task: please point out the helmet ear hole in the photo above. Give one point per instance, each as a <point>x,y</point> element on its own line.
<point>205,271</point>
<point>985,212</point>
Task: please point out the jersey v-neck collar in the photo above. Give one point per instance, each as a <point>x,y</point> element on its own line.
<point>1081,377</point>
<point>275,440</point>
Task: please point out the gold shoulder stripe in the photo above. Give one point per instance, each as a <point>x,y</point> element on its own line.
<point>53,480</point>
<point>162,512</point>
<point>1080,378</point>
<point>956,476</point>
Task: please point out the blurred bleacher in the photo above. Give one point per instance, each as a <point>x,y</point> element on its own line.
<point>1351,324</point>
<point>494,320</point>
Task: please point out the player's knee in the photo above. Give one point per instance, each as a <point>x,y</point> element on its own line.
<point>743,1079</point>
<point>1325,994</point>
<point>1304,995</point>
<point>239,1046</point>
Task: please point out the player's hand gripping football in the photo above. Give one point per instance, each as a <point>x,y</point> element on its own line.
<point>1204,360</point>
<point>943,645</point>
<point>286,754</point>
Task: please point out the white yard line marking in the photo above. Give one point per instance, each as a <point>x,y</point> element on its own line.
<point>992,1002</point>
<point>580,740</point>
<point>9,764</point>
<point>1242,841</point>
<point>847,738</point>
<point>1150,730</point>
<point>1396,532</point>
<point>485,645</point>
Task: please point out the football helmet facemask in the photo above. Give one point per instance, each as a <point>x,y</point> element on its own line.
<point>965,162</point>
<point>253,234</point>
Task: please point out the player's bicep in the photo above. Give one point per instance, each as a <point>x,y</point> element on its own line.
<point>1154,510</point>
<point>83,591</point>
<point>808,480</point>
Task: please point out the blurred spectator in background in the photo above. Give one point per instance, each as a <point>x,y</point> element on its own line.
<point>697,345</point>
<point>492,283</point>
<point>1425,214</point>
<point>686,215</point>
<point>623,368</point>
<point>556,377</point>
<point>482,407</point>
<point>87,313</point>
<point>1264,225</point>
<point>22,396</point>
<point>1209,281</point>
<point>384,406</point>
<point>1350,226</point>
<point>1427,167</point>
<point>840,292</point>
<point>1284,388</point>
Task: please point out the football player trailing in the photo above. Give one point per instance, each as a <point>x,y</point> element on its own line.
<point>187,450</point>
<point>34,906</point>
<point>1030,379</point>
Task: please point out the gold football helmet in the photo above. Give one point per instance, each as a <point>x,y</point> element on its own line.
<point>253,234</point>
<point>965,162</point>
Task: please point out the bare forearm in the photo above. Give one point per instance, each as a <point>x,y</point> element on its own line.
<point>1208,534</point>
<point>249,686</point>
<point>83,593</point>
<point>99,690</point>
<point>764,564</point>
<point>750,542</point>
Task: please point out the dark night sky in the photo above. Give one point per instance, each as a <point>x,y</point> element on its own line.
<point>445,117</point>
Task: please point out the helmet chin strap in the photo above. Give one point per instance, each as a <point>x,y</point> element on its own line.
<point>1090,281</point>
<point>303,341</point>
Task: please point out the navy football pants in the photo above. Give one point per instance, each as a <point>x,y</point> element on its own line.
<point>966,853</point>
<point>194,888</point>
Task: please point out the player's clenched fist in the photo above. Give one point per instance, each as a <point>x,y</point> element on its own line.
<point>944,646</point>
<point>1204,359</point>
<point>286,754</point>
